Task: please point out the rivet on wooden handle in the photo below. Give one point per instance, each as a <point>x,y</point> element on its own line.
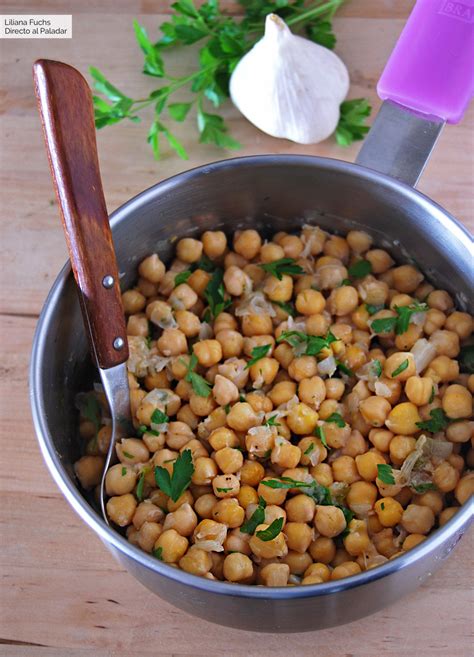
<point>65,105</point>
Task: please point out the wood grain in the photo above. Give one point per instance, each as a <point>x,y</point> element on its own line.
<point>65,105</point>
<point>63,595</point>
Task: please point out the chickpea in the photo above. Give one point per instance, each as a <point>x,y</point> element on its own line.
<point>445,477</point>
<point>284,355</point>
<point>198,281</point>
<point>440,300</point>
<point>329,521</point>
<point>137,325</point>
<point>373,291</point>
<point>183,520</point>
<point>247,243</point>
<point>464,488</point>
<point>202,406</point>
<point>247,496</point>
<point>251,473</point>
<point>172,342</point>
<point>228,510</point>
<point>132,450</point>
<point>400,448</point>
<point>417,519</point>
<point>302,419</point>
<point>121,508</point>
<point>231,342</point>
<point>442,369</point>
<point>282,392</point>
<point>446,515</point>
<point>406,278</point>
<point>292,246</point>
<point>344,469</point>
<point>322,472</point>
<point>334,388</point>
<point>375,410</point>
<point>261,404</point>
<point>361,497</point>
<point>355,445</point>
<point>242,417</point>
<point>120,479</point>
<point>446,343</point>
<point>357,540</point>
<point>389,511</point>
<point>205,504</point>
<point>205,469</point>
<point>359,241</point>
<point>189,249</point>
<point>276,547</point>
<point>224,321</point>
<point>317,325</point>
<point>214,243</point>
<point>457,402</point>
<point>460,432</point>
<point>323,549</point>
<point>88,470</point>
<point>312,391</point>
<point>173,546</point>
<point>256,325</point>
<point>431,498</point>
<point>188,323</point>
<point>345,569</point>
<point>310,302</point>
<point>224,391</point>
<point>152,269</point>
<point>237,567</point>
<point>271,252</point>
<point>300,509</point>
<point>419,389</point>
<point>226,485</point>
<point>229,460</point>
<point>400,366</point>
<point>298,536</point>
<point>312,451</point>
<point>264,371</point>
<point>402,419</point>
<point>236,281</point>
<point>196,561</point>
<point>271,495</point>
<point>208,352</point>
<point>407,339</point>
<point>278,290</point>
<point>303,367</point>
<point>412,540</point>
<point>275,574</point>
<point>133,302</point>
<point>460,323</point>
<point>380,260</point>
<point>367,463</point>
<point>183,297</point>
<point>285,454</point>
<point>343,300</point>
<point>223,437</point>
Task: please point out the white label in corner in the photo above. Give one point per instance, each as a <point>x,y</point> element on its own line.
<point>35,26</point>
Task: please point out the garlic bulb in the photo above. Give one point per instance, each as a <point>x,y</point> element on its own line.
<point>288,86</point>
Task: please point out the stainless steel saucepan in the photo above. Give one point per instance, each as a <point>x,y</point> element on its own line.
<point>428,81</point>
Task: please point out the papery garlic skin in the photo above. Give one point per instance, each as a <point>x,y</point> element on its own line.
<point>290,87</point>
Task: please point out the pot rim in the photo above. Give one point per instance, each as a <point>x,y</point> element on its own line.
<point>458,523</point>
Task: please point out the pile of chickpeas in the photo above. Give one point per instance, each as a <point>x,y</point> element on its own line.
<point>235,450</point>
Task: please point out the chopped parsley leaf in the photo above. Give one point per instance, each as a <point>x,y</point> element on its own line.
<point>158,417</point>
<point>422,488</point>
<point>200,386</point>
<point>182,277</point>
<point>337,419</point>
<point>360,269</point>
<point>158,553</point>
<point>271,531</point>
<point>283,266</point>
<point>319,432</point>
<point>256,519</point>
<point>309,449</point>
<point>401,368</point>
<point>439,421</point>
<point>287,307</point>
<point>385,473</point>
<point>141,482</point>
<point>215,294</point>
<point>257,354</point>
<point>372,309</point>
<point>272,421</point>
<point>124,471</point>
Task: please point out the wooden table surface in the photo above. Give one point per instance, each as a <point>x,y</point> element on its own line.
<point>62,593</point>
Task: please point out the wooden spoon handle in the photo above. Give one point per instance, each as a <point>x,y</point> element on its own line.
<point>65,105</point>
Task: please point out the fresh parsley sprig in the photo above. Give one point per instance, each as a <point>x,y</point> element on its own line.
<point>175,485</point>
<point>223,41</point>
<point>438,422</point>
<point>215,294</point>
<point>314,343</point>
<point>360,269</point>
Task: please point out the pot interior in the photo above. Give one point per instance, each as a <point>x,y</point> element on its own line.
<point>269,193</point>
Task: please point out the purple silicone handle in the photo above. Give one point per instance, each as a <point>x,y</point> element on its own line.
<point>431,69</point>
